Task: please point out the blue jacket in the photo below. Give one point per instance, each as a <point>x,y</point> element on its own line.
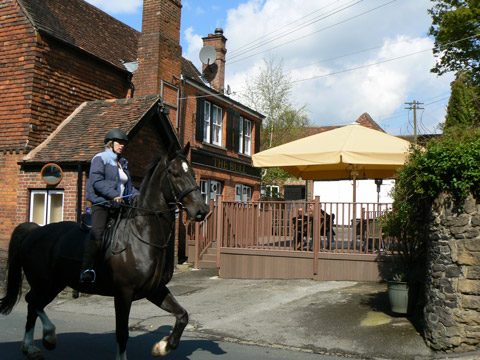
<point>103,182</point>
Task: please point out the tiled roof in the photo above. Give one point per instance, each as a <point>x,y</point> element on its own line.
<point>188,69</point>
<point>79,137</point>
<point>84,26</point>
<point>365,120</point>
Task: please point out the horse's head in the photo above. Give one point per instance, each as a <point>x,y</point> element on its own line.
<point>181,177</point>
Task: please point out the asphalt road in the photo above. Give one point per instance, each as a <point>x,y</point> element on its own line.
<point>236,319</point>
<point>85,336</point>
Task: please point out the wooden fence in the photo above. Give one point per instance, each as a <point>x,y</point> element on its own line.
<point>261,239</point>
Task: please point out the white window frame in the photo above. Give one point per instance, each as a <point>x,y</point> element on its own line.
<point>217,123</point>
<point>212,124</point>
<point>206,122</point>
<point>47,201</point>
<point>243,192</point>
<point>273,190</point>
<point>245,137</point>
<point>210,189</point>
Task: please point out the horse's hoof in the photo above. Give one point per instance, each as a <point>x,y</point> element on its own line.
<point>48,345</point>
<point>161,348</point>
<point>32,353</point>
<point>49,339</point>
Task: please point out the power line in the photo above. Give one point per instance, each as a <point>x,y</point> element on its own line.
<point>279,29</point>
<point>325,28</point>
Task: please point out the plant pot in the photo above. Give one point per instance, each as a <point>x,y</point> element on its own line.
<point>398,295</point>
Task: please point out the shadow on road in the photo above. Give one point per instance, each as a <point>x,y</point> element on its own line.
<point>75,346</point>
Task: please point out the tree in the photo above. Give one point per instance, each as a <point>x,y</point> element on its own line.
<point>456,28</point>
<point>270,94</point>
<point>464,104</point>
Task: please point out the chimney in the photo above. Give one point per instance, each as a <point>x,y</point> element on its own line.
<point>159,50</point>
<point>216,41</point>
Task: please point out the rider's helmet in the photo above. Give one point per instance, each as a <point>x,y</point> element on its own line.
<point>115,134</point>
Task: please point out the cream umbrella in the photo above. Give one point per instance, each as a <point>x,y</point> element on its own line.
<point>348,152</point>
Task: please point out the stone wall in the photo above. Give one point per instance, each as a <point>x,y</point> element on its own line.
<point>452,309</point>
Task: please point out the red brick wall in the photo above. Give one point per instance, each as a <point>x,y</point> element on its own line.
<point>17,56</point>
<point>41,83</point>
<point>229,179</point>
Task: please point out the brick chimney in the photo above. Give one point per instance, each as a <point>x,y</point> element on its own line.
<point>159,50</point>
<point>217,41</point>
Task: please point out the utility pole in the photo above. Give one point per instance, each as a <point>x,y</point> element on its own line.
<point>414,107</point>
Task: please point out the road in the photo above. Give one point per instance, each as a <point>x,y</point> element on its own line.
<point>85,336</point>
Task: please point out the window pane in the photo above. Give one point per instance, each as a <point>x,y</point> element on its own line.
<point>206,123</point>
<point>56,207</point>
<point>240,136</point>
<point>217,125</point>
<point>38,208</point>
<point>248,137</point>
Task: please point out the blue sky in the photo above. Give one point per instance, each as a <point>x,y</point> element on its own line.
<point>344,57</point>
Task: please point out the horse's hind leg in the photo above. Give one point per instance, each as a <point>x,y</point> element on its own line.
<point>49,339</point>
<point>166,301</point>
<point>36,304</point>
<point>28,346</point>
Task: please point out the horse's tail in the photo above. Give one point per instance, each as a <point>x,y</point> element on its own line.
<point>14,267</point>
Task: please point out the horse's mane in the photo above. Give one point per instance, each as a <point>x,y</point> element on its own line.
<point>149,172</point>
<point>153,166</point>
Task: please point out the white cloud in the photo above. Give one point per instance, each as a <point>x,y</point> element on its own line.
<point>118,6</point>
<point>351,38</point>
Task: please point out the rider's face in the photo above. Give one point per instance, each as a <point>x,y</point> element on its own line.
<point>118,146</point>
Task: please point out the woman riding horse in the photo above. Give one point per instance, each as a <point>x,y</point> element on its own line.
<point>140,266</point>
<point>109,181</point>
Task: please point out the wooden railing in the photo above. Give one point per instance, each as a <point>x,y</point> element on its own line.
<point>299,226</point>
<point>203,233</point>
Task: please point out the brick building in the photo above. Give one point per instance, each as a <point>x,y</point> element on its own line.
<point>60,63</point>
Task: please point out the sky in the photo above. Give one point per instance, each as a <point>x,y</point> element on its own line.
<point>343,57</point>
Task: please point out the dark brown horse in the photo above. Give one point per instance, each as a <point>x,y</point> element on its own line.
<point>140,266</point>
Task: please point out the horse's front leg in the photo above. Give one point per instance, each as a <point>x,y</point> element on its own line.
<point>166,301</point>
<point>123,304</point>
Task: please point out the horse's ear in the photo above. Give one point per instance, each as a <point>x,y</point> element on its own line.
<point>186,149</point>
<point>172,151</point>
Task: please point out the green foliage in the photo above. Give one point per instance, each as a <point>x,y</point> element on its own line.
<point>455,26</point>
<point>451,165</point>
<point>275,176</point>
<point>464,104</point>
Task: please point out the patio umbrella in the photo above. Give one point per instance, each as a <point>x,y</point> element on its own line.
<point>348,152</point>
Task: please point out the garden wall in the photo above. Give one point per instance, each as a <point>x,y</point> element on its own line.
<point>452,309</point>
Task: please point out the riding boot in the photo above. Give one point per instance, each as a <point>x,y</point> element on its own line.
<point>87,274</point>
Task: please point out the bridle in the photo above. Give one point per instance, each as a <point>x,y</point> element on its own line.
<point>178,198</point>
<point>160,213</point>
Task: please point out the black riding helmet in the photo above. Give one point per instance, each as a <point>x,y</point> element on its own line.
<point>116,134</point>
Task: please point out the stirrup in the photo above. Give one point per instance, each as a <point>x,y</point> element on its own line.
<point>88,276</point>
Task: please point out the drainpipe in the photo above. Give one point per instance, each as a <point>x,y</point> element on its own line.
<point>182,111</point>
<point>79,192</point>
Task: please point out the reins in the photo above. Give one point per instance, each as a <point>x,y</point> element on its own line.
<point>159,213</point>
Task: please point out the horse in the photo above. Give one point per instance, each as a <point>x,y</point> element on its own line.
<point>140,266</point>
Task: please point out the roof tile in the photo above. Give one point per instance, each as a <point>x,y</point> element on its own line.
<point>80,136</point>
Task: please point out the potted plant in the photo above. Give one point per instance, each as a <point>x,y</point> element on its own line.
<point>406,225</point>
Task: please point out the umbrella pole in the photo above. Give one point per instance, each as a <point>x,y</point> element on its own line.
<point>354,200</point>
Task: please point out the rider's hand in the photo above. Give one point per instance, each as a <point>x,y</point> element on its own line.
<point>118,199</point>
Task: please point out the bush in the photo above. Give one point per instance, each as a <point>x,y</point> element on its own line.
<point>450,164</point>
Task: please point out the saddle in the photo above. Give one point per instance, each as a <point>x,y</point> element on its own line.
<point>74,250</point>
